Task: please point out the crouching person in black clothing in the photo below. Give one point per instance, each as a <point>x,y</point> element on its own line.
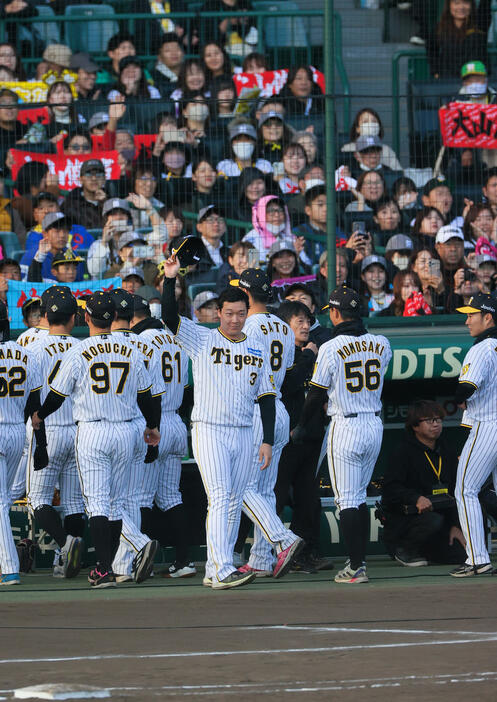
<point>421,522</point>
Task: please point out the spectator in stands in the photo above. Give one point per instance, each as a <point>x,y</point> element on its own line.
<point>294,162</point>
<point>9,270</point>
<point>98,123</point>
<point>310,177</point>
<point>304,293</point>
<point>405,194</point>
<point>271,224</point>
<point>170,57</point>
<point>475,86</point>
<point>191,78</point>
<point>223,101</point>
<point>449,244</point>
<point>283,266</point>
<point>252,186</point>
<point>132,279</point>
<point>118,46</point>
<point>11,130</point>
<point>206,188</point>
<point>426,225</point>
<point>271,104</point>
<point>489,189</point>
<point>10,58</point>
<point>64,266</point>
<point>32,178</point>
<point>205,307</point>
<point>302,93</point>
<point>459,37</point>
<point>61,111</point>
<point>398,250</point>
<point>55,239</point>
<point>132,83</point>
<point>195,114</point>
<point>273,135</point>
<point>130,261</point>
<point>417,467</point>
<point>84,204</point>
<point>386,218</point>
<point>243,140</point>
<point>149,34</point>
<point>375,284</point>
<point>174,170</point>
<point>367,122</point>
<point>427,267</point>
<point>478,228</point>
<point>231,32</point>
<point>174,221</point>
<point>315,225</point>
<point>406,284</point>
<point>368,156</point>
<point>57,59</point>
<point>10,221</point>
<point>6,75</point>
<point>320,286</point>
<point>216,61</point>
<point>369,189</point>
<point>86,70</point>
<point>212,228</point>
<point>436,193</point>
<point>77,142</point>
<point>487,268</point>
<point>104,252</point>
<point>146,206</point>
<point>238,261</point>
<point>255,63</point>
<point>309,141</point>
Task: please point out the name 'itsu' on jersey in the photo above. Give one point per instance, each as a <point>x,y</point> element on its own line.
<point>19,375</point>
<point>277,339</point>
<point>479,370</point>
<point>221,395</point>
<point>103,376</point>
<point>50,350</point>
<point>172,366</point>
<point>352,369</point>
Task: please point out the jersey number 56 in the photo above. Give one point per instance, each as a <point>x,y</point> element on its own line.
<point>359,375</point>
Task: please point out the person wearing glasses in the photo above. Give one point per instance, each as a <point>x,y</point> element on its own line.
<point>421,523</point>
<point>145,206</point>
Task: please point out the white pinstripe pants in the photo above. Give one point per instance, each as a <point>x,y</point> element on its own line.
<point>353,447</point>
<point>11,443</point>
<point>478,460</point>
<point>224,457</point>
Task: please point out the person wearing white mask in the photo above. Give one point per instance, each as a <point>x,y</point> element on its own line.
<point>195,116</point>
<point>368,156</point>
<point>398,251</point>
<point>367,122</point>
<point>243,139</point>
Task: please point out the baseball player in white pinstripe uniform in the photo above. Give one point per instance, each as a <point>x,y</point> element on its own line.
<point>477,395</point>
<point>161,480</point>
<point>230,372</point>
<point>259,500</point>
<point>19,390</point>
<point>32,334</point>
<point>135,547</point>
<point>350,370</point>
<point>105,377</point>
<point>50,351</point>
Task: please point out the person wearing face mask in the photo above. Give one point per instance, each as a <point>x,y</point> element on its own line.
<point>368,157</point>
<point>367,123</point>
<point>271,224</point>
<point>243,140</point>
<point>310,176</point>
<point>195,112</point>
<point>174,172</point>
<point>152,296</point>
<point>398,250</point>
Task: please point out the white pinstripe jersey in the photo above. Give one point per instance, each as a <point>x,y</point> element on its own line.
<point>50,351</point>
<point>277,339</point>
<point>31,335</point>
<point>172,363</point>
<point>479,369</point>
<point>150,357</point>
<point>228,375</point>
<point>103,375</point>
<point>352,369</point>
<point>19,375</point>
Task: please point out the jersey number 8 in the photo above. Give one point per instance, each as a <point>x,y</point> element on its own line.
<point>357,378</point>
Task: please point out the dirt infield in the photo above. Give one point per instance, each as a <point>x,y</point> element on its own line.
<point>408,633</point>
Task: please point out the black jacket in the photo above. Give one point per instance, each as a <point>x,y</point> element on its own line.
<point>295,385</point>
<point>409,476</point>
<point>80,211</point>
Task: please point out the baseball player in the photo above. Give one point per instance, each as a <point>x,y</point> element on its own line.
<point>259,500</point>
<point>50,351</point>
<point>477,394</point>
<point>230,373</point>
<point>32,334</point>
<point>19,394</point>
<point>350,370</point>
<point>134,546</point>
<point>160,481</point>
<point>105,378</point>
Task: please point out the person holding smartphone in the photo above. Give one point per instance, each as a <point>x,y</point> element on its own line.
<point>105,252</point>
<point>427,268</point>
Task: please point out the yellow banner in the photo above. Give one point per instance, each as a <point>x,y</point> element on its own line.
<point>27,92</point>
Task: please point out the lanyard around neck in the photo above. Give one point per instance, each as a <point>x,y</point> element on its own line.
<point>437,473</point>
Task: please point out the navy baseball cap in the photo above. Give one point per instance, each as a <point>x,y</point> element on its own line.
<point>253,279</point>
<point>345,299</point>
<point>481,302</point>
<point>100,305</point>
<point>124,303</point>
<point>67,256</point>
<point>93,164</point>
<point>60,303</point>
<point>140,304</point>
<point>29,305</point>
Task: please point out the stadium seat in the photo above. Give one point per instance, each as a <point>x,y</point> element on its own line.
<point>197,288</point>
<point>91,34</point>
<point>10,243</point>
<point>282,31</point>
<point>48,31</point>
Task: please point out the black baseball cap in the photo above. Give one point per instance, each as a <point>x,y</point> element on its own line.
<point>481,302</point>
<point>44,196</point>
<point>433,183</point>
<point>100,305</point>
<point>60,303</point>
<point>140,304</point>
<point>67,256</point>
<point>253,279</point>
<point>29,305</point>
<point>124,303</point>
<point>93,164</point>
<point>345,299</point>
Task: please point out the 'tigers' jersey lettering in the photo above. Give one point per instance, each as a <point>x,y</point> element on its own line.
<point>224,355</point>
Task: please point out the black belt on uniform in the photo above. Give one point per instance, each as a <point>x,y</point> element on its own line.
<point>355,414</point>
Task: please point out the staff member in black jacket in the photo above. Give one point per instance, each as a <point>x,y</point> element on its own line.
<point>421,515</point>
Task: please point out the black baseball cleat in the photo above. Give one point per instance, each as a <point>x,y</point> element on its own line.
<point>101,580</point>
<point>235,579</point>
<point>411,559</point>
<point>143,562</point>
<point>466,570</point>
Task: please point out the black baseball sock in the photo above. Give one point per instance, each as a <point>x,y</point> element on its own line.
<point>243,532</point>
<point>180,532</point>
<point>351,527</point>
<point>115,534</point>
<point>75,524</point>
<point>48,519</point>
<point>364,513</point>
<point>148,522</point>
<point>101,538</point>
